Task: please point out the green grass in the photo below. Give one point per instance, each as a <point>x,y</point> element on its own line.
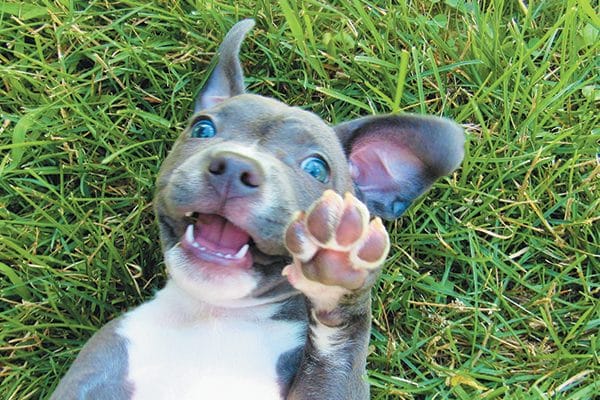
<point>492,287</point>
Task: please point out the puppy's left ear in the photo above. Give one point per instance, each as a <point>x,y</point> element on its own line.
<point>396,158</point>
<point>227,79</point>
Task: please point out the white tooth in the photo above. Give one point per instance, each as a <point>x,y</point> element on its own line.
<point>220,254</point>
<point>228,256</point>
<point>196,245</point>
<point>242,252</point>
<point>189,234</point>
<point>188,214</point>
<point>202,248</point>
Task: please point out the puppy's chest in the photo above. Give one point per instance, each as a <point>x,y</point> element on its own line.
<point>213,358</point>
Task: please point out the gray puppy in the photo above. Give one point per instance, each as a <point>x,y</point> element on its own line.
<point>270,268</point>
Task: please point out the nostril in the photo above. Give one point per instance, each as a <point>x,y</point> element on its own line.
<point>217,167</point>
<point>250,179</point>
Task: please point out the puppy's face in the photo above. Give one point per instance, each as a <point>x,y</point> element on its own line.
<point>247,163</point>
<point>229,187</point>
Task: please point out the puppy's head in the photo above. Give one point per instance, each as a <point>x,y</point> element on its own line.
<point>246,163</point>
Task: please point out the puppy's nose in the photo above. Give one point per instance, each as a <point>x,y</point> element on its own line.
<point>234,175</point>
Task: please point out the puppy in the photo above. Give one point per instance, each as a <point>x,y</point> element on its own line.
<point>265,224</point>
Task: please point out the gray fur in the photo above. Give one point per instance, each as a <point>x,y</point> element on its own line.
<point>287,366</point>
<point>271,283</point>
<point>100,370</point>
<point>338,377</point>
<point>292,309</point>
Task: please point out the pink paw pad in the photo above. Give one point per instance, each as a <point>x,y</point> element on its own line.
<point>334,244</point>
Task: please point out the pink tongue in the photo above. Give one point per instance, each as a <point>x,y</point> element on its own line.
<point>219,234</point>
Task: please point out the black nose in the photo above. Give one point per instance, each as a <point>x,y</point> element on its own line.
<point>234,175</point>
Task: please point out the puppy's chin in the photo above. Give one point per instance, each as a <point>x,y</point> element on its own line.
<point>212,283</point>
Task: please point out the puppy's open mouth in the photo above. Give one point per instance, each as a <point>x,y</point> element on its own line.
<point>213,239</point>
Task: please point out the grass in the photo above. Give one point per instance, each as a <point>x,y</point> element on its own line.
<point>492,287</point>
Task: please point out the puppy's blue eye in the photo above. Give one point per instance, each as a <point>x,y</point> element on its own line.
<point>204,128</point>
<point>317,168</point>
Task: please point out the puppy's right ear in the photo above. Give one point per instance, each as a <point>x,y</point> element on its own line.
<point>227,79</point>
<point>396,158</point>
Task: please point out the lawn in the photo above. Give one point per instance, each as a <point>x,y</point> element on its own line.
<point>491,290</point>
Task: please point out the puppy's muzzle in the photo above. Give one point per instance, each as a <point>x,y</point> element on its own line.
<point>234,175</point>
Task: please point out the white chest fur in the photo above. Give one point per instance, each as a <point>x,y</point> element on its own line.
<point>178,350</point>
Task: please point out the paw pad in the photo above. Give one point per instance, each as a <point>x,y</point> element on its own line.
<point>334,243</point>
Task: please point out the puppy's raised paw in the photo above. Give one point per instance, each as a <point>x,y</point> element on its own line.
<point>335,249</point>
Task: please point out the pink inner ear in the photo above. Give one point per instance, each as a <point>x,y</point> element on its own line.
<point>380,164</point>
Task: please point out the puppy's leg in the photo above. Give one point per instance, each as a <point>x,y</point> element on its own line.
<point>337,255</point>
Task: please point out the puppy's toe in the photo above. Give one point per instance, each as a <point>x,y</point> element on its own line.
<point>337,223</point>
<point>353,222</point>
<point>297,239</point>
<point>373,249</point>
<point>323,217</point>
